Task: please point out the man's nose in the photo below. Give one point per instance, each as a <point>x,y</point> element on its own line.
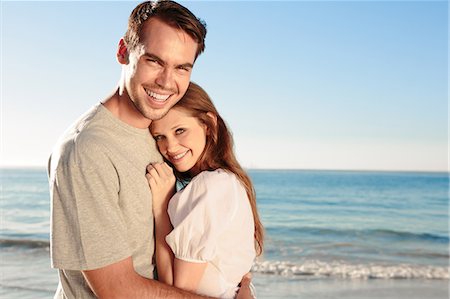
<point>165,78</point>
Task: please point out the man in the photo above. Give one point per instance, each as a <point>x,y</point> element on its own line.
<point>102,222</point>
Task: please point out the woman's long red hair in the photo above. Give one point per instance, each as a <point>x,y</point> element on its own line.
<point>218,152</point>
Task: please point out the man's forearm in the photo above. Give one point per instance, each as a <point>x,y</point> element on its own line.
<point>161,290</point>
<point>119,281</point>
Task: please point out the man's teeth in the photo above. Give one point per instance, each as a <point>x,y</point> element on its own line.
<point>158,97</point>
<point>179,156</point>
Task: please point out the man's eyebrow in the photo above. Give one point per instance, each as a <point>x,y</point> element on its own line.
<point>153,56</point>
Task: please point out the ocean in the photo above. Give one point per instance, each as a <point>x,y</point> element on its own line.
<point>329,234</point>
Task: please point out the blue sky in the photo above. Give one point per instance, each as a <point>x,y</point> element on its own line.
<point>303,84</point>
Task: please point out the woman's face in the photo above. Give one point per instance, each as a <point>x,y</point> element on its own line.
<point>181,139</point>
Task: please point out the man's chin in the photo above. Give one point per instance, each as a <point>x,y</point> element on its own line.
<point>156,114</point>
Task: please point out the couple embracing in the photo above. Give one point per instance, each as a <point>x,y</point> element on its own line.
<point>148,177</point>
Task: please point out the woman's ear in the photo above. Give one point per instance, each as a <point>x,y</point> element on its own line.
<point>213,117</point>
<point>122,52</point>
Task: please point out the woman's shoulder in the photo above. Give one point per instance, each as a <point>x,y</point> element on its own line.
<point>216,188</point>
<point>218,177</point>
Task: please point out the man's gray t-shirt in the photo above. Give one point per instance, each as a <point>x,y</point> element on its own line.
<point>101,201</point>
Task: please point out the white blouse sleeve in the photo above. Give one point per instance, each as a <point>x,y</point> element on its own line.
<point>200,214</point>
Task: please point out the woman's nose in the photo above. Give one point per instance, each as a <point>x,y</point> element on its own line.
<point>172,145</point>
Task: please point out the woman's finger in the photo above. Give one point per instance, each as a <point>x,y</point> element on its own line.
<point>167,169</point>
<point>155,175</point>
<point>151,181</point>
<point>162,171</point>
<point>157,166</point>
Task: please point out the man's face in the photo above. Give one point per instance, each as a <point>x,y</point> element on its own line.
<point>159,70</point>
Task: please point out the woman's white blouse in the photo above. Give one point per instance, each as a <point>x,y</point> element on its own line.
<point>213,223</point>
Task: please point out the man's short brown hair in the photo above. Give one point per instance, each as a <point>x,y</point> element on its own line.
<point>171,13</point>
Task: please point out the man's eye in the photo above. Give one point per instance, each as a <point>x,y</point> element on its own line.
<point>179,131</point>
<point>184,68</point>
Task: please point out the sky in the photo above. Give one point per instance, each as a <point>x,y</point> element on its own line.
<point>345,85</point>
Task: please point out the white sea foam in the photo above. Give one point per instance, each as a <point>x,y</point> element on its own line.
<point>347,270</point>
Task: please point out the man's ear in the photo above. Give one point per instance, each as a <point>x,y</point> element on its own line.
<point>122,52</point>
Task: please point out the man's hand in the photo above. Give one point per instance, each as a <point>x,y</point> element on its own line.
<point>244,290</point>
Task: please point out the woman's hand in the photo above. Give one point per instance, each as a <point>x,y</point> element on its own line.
<point>162,184</point>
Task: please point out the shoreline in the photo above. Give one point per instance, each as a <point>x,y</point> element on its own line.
<point>40,282</point>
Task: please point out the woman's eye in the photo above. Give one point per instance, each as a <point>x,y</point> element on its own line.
<point>158,137</point>
<point>179,131</point>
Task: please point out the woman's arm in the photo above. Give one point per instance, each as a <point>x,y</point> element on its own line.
<point>187,275</point>
<point>163,253</point>
<point>162,185</point>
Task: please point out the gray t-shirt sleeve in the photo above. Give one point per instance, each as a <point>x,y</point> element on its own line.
<point>89,230</point>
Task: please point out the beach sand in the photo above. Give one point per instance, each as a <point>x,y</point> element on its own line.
<point>272,286</point>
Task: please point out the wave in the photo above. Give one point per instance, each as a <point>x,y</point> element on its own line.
<point>24,243</point>
<point>26,288</point>
<point>366,233</point>
<point>307,268</point>
<point>407,235</point>
<point>315,268</point>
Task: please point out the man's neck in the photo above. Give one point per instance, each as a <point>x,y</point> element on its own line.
<point>123,108</point>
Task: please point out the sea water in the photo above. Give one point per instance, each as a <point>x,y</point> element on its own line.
<point>340,229</point>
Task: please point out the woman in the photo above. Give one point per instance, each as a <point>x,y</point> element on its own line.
<point>209,232</point>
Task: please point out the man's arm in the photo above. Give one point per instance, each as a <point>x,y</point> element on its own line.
<point>120,280</point>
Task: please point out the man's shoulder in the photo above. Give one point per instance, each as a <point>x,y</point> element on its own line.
<point>86,135</point>
<point>90,128</point>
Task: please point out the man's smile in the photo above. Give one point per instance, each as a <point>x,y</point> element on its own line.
<point>157,96</point>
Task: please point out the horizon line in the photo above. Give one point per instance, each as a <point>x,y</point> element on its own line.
<point>12,167</point>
